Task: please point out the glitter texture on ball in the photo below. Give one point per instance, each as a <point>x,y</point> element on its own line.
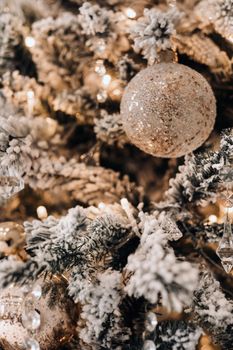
<point>168,110</point>
<point>49,326</point>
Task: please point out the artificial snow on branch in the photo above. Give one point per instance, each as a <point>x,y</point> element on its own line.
<point>204,50</point>
<point>219,14</point>
<point>198,180</point>
<point>176,335</point>
<point>10,39</point>
<point>213,311</point>
<point>58,50</point>
<point>152,32</point>
<point>155,271</point>
<point>29,148</point>
<point>101,323</point>
<point>109,129</point>
<point>17,89</point>
<point>58,245</point>
<point>211,307</point>
<point>94,19</point>
<point>79,103</point>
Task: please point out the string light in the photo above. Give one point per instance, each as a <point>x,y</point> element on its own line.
<point>30,101</point>
<point>101,206</point>
<point>171,3</point>
<point>30,41</point>
<point>106,80</point>
<point>130,13</point>
<point>30,94</point>
<point>42,212</point>
<point>115,89</point>
<point>212,219</point>
<point>100,68</point>
<point>100,47</point>
<point>117,92</point>
<point>102,96</point>
<point>230,38</point>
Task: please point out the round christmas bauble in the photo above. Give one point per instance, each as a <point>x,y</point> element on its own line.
<point>168,110</point>
<point>55,321</point>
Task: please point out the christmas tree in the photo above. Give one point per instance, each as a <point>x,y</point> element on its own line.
<point>116,161</point>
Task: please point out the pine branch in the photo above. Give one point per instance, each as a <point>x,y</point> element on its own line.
<point>213,311</point>
<point>109,129</point>
<point>72,243</point>
<point>197,181</point>
<point>155,272</point>
<point>22,151</point>
<point>101,323</point>
<point>176,335</point>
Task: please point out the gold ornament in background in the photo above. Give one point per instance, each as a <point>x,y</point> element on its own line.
<point>206,344</point>
<point>57,325</point>
<point>168,110</point>
<point>12,238</point>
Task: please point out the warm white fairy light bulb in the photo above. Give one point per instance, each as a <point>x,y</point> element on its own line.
<point>42,212</point>
<point>102,96</point>
<point>30,94</point>
<point>171,3</point>
<point>230,38</point>
<point>212,219</point>
<point>117,92</point>
<point>30,41</point>
<point>100,47</point>
<point>30,101</point>
<point>100,68</point>
<point>130,13</point>
<point>106,80</point>
<point>101,206</point>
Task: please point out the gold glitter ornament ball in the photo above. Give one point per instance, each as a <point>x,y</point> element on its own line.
<point>168,110</point>
<point>56,323</point>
